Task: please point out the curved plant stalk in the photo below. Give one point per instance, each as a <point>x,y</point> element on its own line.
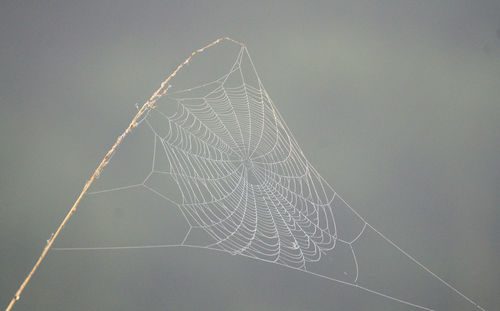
<point>150,103</point>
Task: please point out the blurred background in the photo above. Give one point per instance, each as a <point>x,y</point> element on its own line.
<point>396,104</point>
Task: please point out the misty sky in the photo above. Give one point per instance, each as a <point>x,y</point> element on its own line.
<point>395,103</point>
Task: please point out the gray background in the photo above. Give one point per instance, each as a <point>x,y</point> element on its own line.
<point>396,103</point>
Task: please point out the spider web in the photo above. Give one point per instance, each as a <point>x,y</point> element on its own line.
<point>245,184</point>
